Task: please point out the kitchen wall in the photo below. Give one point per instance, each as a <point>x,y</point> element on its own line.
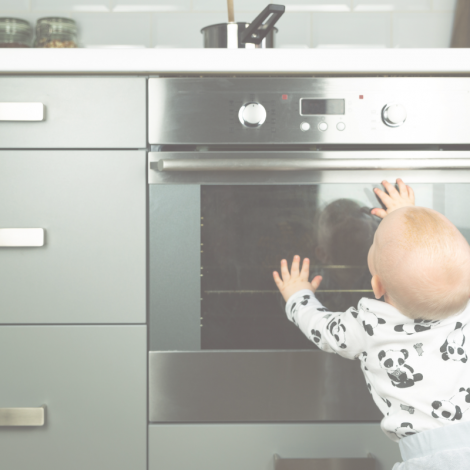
<point>307,23</point>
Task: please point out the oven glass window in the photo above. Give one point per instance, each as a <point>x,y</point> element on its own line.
<point>247,230</point>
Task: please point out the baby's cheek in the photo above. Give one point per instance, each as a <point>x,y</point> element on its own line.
<point>369,259</point>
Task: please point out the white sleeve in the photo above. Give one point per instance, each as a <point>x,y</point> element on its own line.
<point>337,332</point>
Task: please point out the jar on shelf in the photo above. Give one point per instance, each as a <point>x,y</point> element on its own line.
<point>15,32</point>
<point>56,32</point>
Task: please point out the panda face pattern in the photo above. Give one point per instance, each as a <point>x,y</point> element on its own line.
<point>392,360</point>
<point>400,373</point>
<point>370,321</point>
<point>297,305</point>
<point>417,326</point>
<point>363,358</point>
<point>315,337</point>
<point>338,331</point>
<point>454,408</point>
<point>405,430</point>
<point>453,348</point>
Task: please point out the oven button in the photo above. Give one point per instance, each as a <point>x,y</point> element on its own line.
<point>394,115</point>
<point>323,126</point>
<point>252,115</point>
<point>305,126</point>
<point>341,126</point>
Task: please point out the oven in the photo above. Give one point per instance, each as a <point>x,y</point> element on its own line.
<point>245,171</point>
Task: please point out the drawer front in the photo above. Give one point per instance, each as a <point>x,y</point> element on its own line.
<point>90,207</point>
<point>253,446</point>
<point>72,112</point>
<point>92,381</point>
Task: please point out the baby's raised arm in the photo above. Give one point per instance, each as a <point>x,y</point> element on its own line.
<point>337,332</point>
<point>394,199</point>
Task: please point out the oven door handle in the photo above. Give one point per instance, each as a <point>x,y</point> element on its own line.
<point>278,164</point>
<point>368,463</point>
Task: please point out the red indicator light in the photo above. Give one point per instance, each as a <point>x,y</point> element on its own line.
<point>361,97</point>
<point>284,97</point>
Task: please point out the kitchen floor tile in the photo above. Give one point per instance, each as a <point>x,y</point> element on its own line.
<point>294,30</point>
<point>392,5</point>
<point>113,28</point>
<point>351,28</point>
<point>182,29</point>
<point>259,5</point>
<point>448,5</point>
<point>149,5</point>
<point>422,29</point>
<point>13,5</point>
<point>72,5</point>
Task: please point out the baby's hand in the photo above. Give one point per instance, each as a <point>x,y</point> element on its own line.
<point>295,281</point>
<point>394,199</point>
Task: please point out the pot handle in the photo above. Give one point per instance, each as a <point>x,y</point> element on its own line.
<point>257,31</point>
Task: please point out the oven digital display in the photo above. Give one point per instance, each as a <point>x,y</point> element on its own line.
<point>313,107</point>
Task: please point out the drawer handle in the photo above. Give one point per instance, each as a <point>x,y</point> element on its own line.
<point>22,112</point>
<point>21,237</point>
<point>23,416</point>
<point>368,463</point>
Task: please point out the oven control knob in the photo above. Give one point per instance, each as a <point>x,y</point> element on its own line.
<point>394,115</point>
<point>252,115</point>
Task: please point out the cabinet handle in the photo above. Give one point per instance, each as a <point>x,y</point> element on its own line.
<point>368,463</point>
<point>21,112</point>
<point>21,237</point>
<point>23,416</point>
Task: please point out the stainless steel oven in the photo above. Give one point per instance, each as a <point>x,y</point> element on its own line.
<point>246,171</point>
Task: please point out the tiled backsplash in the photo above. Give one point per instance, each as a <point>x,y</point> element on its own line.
<point>306,23</point>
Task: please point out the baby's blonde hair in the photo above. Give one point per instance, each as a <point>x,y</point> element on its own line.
<point>424,265</point>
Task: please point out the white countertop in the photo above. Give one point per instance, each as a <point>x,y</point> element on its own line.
<point>223,61</point>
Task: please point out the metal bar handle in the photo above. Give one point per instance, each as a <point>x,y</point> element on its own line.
<point>369,463</point>
<point>21,237</point>
<point>22,112</point>
<point>23,416</point>
<point>273,164</point>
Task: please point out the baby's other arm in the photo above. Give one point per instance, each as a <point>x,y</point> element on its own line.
<point>394,199</point>
<point>337,332</point>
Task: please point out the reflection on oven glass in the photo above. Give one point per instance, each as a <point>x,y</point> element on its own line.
<point>246,231</point>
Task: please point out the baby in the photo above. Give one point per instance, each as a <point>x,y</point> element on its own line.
<point>412,345</point>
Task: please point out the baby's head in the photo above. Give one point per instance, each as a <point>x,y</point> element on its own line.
<point>344,233</point>
<point>421,263</point>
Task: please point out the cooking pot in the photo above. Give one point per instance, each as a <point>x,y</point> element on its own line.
<point>258,34</point>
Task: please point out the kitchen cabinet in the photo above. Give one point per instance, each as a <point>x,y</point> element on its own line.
<point>92,208</point>
<point>72,112</point>
<point>252,446</point>
<point>92,381</point>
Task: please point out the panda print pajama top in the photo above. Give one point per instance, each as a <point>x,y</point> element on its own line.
<point>416,370</point>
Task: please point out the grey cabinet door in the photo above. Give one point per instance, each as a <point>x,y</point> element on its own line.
<point>79,112</point>
<point>92,267</point>
<point>92,380</point>
<point>252,446</point>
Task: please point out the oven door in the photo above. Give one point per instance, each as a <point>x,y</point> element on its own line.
<point>222,349</point>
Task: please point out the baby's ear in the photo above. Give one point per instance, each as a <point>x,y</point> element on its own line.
<point>377,287</point>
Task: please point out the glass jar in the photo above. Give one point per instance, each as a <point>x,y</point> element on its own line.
<point>15,33</point>
<point>56,32</point>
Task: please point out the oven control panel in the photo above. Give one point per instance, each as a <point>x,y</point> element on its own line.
<point>269,110</point>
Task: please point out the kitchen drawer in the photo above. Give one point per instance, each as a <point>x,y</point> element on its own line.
<point>79,112</point>
<point>252,446</point>
<point>92,380</point>
<point>92,266</point>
